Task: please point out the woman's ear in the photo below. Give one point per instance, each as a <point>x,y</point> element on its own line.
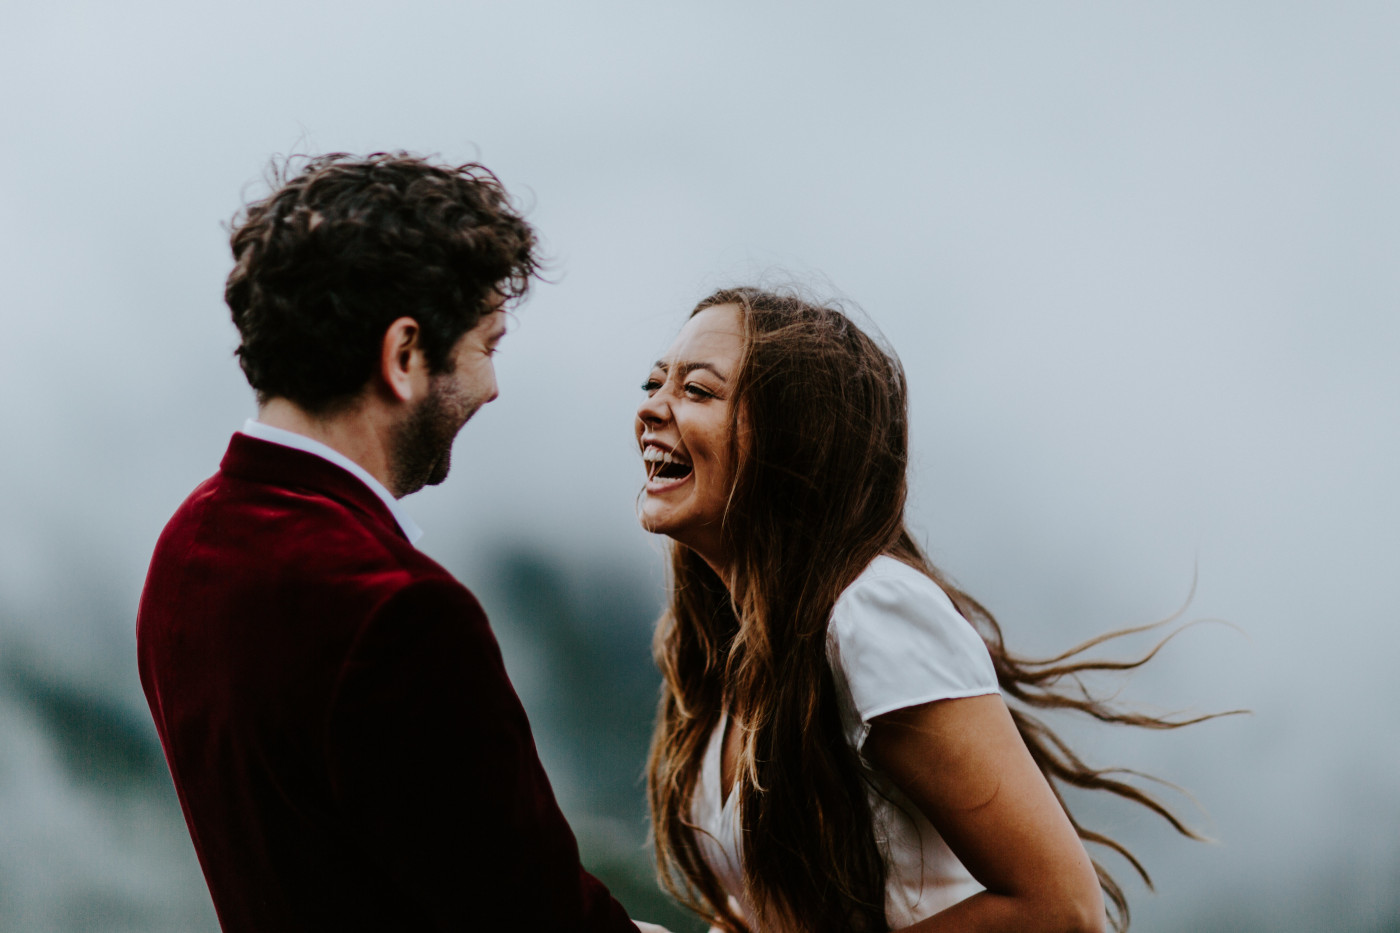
<point>403,368</point>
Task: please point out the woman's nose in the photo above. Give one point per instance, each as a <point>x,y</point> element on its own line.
<point>653,410</point>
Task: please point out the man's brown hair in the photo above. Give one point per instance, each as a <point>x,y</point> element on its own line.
<point>347,245</point>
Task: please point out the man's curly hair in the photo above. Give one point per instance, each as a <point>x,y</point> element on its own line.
<point>348,245</point>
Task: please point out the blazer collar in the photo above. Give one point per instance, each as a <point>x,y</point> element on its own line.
<point>278,465</point>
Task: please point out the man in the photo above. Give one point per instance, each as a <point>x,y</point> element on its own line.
<point>347,748</point>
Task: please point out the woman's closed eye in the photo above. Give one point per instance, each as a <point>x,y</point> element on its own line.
<point>693,389</point>
<point>697,391</point>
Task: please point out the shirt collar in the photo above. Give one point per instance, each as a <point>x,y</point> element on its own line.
<point>266,432</point>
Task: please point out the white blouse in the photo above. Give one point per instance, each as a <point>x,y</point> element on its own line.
<point>894,641</point>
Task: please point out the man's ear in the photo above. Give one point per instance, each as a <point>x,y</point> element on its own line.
<point>402,365</point>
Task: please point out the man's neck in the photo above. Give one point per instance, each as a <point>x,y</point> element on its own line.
<point>354,431</point>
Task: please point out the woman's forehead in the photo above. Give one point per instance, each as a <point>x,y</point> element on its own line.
<point>713,335</point>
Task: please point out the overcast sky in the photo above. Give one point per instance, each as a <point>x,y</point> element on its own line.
<point>1139,261</point>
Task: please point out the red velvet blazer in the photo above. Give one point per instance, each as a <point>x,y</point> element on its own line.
<point>348,750</point>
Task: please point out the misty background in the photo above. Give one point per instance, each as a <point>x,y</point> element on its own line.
<point>1139,262</point>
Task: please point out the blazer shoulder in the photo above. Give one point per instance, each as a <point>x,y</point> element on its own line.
<point>234,533</point>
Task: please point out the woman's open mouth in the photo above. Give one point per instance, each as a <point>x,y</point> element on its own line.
<point>664,468</point>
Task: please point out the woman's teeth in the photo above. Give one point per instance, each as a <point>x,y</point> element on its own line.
<point>662,464</point>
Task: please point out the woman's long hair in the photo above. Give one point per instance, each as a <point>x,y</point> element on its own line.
<point>819,492</point>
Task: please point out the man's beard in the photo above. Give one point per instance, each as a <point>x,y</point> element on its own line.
<point>422,452</point>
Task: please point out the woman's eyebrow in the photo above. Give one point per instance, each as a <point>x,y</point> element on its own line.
<point>686,367</point>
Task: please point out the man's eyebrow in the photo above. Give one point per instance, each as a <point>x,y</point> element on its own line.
<point>686,367</point>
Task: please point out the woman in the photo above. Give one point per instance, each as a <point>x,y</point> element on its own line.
<point>832,750</point>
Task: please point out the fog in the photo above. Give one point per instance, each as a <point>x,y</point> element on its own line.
<point>1139,262</point>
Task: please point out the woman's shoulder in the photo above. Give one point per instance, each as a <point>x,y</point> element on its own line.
<point>888,583</point>
<point>897,640</point>
<point>887,567</point>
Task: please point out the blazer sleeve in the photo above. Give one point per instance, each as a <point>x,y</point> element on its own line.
<point>434,769</point>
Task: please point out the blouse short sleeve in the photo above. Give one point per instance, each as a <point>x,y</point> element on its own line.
<point>895,640</point>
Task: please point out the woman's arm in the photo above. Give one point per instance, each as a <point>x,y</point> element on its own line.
<point>962,762</point>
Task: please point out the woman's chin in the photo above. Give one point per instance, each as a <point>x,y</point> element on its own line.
<point>661,528</point>
<point>659,523</point>
<point>648,517</point>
